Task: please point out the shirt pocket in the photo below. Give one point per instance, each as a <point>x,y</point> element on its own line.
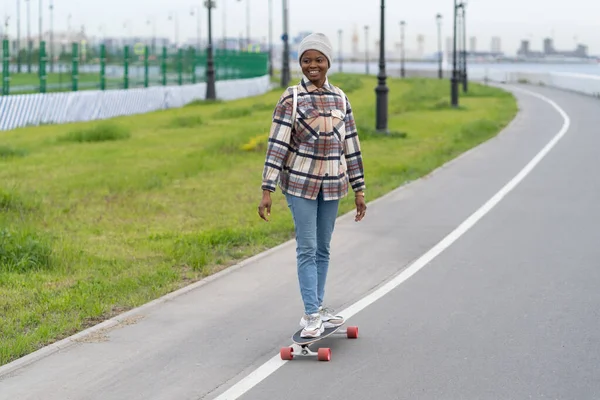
<point>308,125</point>
<point>338,124</point>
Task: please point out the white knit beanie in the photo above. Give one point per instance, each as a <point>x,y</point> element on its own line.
<point>316,41</point>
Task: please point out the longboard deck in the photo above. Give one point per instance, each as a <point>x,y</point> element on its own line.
<point>306,341</point>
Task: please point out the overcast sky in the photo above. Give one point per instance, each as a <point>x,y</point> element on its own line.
<point>512,20</point>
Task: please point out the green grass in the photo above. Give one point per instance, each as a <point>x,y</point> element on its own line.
<point>101,217</point>
<point>98,132</point>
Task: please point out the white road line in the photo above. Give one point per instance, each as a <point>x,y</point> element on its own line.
<point>275,363</point>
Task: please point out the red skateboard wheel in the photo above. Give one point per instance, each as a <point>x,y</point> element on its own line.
<point>286,353</point>
<point>324,354</point>
<point>352,332</point>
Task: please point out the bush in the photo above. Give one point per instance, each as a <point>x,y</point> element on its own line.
<point>186,121</point>
<point>98,133</point>
<point>199,250</point>
<point>23,251</point>
<point>9,201</point>
<point>10,152</point>
<point>230,112</point>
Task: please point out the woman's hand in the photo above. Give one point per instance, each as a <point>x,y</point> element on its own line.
<point>265,204</point>
<point>361,206</point>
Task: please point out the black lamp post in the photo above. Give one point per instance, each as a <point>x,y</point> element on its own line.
<point>29,41</point>
<point>210,62</point>
<point>440,52</point>
<point>402,49</point>
<point>367,49</point>
<point>19,36</point>
<point>285,70</point>
<point>455,72</point>
<point>463,7</point>
<point>270,37</point>
<point>382,90</point>
<point>51,36</point>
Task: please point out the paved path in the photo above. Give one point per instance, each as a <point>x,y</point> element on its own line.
<point>507,309</point>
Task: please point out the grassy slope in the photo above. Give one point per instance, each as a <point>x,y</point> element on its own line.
<point>89,229</point>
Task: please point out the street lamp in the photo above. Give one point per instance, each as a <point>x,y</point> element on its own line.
<point>247,23</point>
<point>382,90</point>
<point>152,21</point>
<point>463,7</point>
<point>340,33</point>
<point>402,49</point>
<point>19,36</point>
<point>40,22</point>
<point>440,52</point>
<point>367,49</point>
<point>285,70</point>
<point>224,23</point>
<point>271,38</point>
<point>454,79</point>
<point>51,7</point>
<point>6,21</point>
<point>211,93</point>
<point>195,11</point>
<point>173,17</point>
<point>29,42</point>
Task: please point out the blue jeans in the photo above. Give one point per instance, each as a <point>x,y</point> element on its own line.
<point>314,221</point>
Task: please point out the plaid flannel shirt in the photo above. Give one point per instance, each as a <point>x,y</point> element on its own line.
<point>321,152</point>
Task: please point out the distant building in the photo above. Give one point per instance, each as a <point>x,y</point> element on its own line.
<point>473,44</point>
<point>581,51</point>
<point>525,48</point>
<point>549,46</point>
<point>420,45</point>
<point>496,46</point>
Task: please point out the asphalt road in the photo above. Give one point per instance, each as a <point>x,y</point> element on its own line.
<point>508,310</point>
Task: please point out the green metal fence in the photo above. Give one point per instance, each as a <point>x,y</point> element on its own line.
<point>105,68</point>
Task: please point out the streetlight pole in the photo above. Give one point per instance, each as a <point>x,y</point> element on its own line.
<point>210,62</point>
<point>340,33</point>
<point>402,49</point>
<point>464,33</point>
<point>29,42</point>
<point>19,36</point>
<point>382,90</point>
<point>173,17</point>
<point>454,79</point>
<point>196,12</point>
<point>40,22</point>
<point>224,16</point>
<point>247,24</point>
<point>51,36</point>
<point>152,21</point>
<point>285,71</point>
<point>367,49</point>
<point>440,52</point>
<point>271,38</point>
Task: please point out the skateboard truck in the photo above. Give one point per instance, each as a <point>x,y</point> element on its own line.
<point>300,347</point>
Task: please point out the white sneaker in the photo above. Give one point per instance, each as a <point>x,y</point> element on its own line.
<point>330,320</point>
<point>313,326</point>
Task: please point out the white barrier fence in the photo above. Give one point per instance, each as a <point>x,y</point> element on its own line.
<point>58,108</point>
<point>580,83</point>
